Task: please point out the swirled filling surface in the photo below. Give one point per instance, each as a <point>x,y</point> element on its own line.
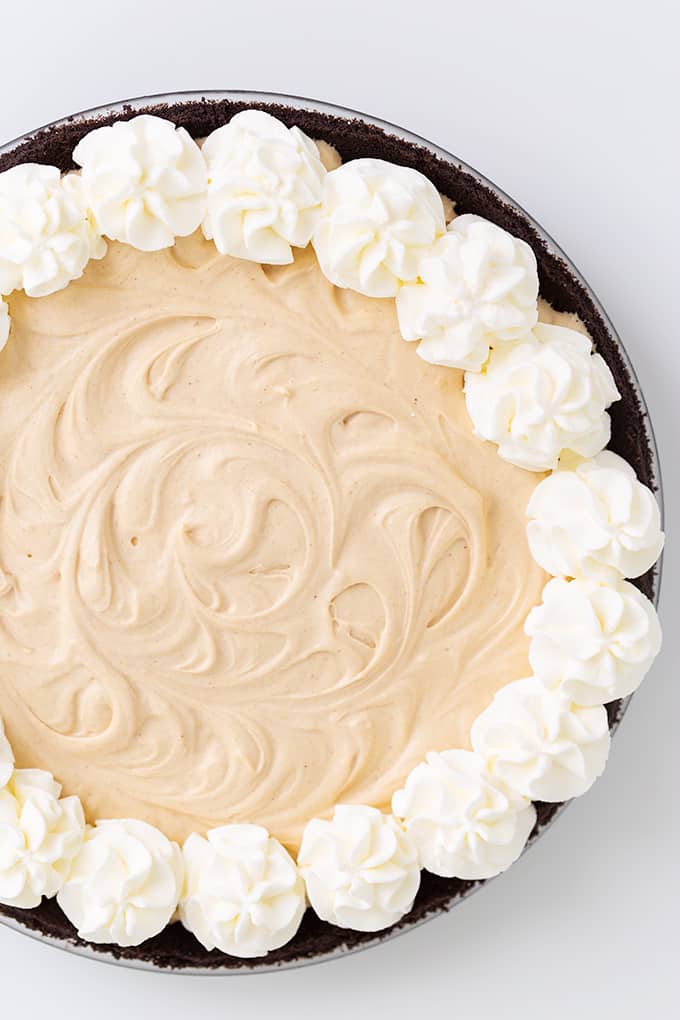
<point>253,560</point>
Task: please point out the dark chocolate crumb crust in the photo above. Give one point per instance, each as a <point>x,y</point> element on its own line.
<point>353,138</point>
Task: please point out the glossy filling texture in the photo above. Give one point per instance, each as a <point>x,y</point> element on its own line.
<point>253,562</point>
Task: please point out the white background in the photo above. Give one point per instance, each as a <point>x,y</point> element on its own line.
<point>573,109</point>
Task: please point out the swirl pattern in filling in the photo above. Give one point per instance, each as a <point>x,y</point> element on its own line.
<point>253,562</point>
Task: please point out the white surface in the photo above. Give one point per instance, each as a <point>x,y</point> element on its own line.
<point>569,108</point>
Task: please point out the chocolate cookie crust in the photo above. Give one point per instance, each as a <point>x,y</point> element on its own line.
<point>353,138</point>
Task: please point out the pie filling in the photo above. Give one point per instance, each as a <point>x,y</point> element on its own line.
<point>253,561</point>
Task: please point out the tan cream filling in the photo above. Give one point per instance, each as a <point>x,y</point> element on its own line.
<point>253,561</point>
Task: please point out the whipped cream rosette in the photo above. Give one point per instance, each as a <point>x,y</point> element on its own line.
<point>594,641</point>
<point>145,181</point>
<point>541,744</point>
<point>242,891</point>
<point>594,519</point>
<point>360,868</point>
<point>124,884</point>
<point>377,220</point>
<point>47,235</point>
<point>264,188</point>
<point>478,288</point>
<point>542,396</point>
<point>463,822</point>
<point>40,833</point>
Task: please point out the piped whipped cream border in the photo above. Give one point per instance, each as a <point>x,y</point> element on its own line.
<point>467,292</point>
